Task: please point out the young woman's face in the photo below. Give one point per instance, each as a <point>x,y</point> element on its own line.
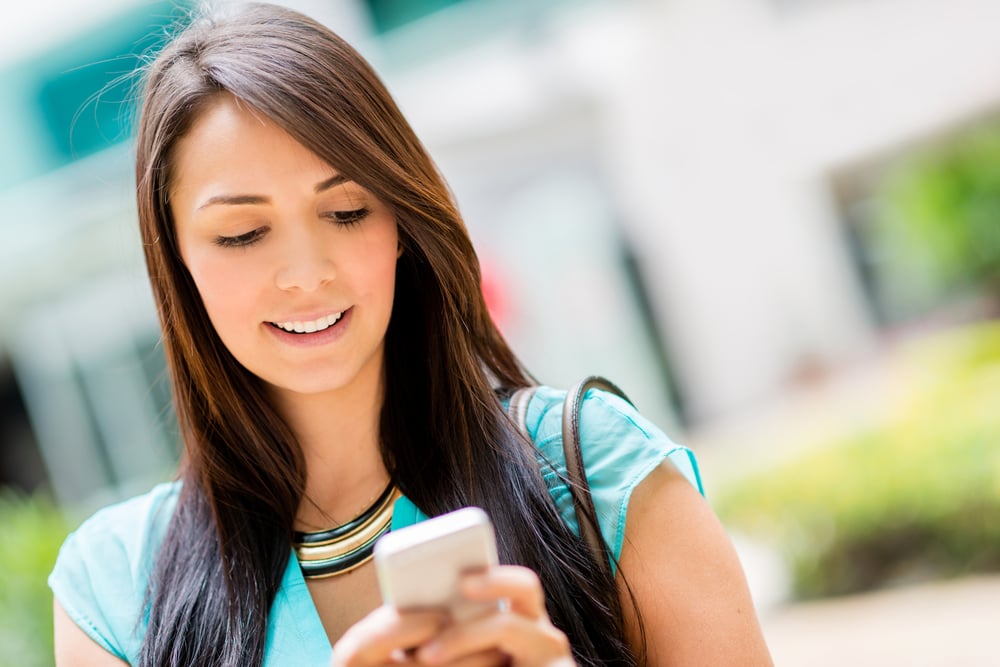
<point>295,264</point>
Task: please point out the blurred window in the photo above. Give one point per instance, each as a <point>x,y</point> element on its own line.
<point>921,226</point>
<point>390,14</point>
<point>85,86</point>
<point>97,393</point>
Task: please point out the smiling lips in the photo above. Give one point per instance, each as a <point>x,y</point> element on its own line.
<point>311,326</point>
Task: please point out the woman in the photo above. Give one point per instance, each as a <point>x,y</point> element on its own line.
<point>330,351</point>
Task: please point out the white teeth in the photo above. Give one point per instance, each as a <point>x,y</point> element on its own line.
<point>310,327</point>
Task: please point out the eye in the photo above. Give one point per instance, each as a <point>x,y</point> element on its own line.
<point>241,241</point>
<point>347,218</point>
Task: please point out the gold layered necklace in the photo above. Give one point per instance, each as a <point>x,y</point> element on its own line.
<point>327,553</point>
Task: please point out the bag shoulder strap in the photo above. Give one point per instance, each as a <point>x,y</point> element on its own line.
<point>583,502</point>
<point>518,408</point>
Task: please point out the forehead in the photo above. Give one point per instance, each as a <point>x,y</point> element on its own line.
<point>232,145</point>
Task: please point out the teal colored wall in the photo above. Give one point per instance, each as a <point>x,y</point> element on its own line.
<point>76,98</point>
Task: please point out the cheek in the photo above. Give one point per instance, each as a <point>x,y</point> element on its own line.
<point>382,276</point>
<point>225,290</point>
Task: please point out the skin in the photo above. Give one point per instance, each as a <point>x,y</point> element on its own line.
<point>74,647</point>
<point>687,579</point>
<point>305,262</point>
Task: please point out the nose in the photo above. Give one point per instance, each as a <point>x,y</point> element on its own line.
<point>305,263</point>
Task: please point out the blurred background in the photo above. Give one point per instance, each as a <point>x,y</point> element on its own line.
<point>775,223</point>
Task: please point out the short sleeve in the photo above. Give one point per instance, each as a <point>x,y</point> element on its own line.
<point>103,568</point>
<point>620,448</point>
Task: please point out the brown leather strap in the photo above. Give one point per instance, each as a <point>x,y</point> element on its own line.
<point>579,488</point>
<point>583,501</point>
<point>518,408</point>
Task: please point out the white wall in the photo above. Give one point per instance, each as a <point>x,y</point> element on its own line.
<point>720,123</point>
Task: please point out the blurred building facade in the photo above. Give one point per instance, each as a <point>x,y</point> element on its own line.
<point>652,186</point>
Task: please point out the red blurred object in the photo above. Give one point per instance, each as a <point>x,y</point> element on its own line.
<point>496,294</point>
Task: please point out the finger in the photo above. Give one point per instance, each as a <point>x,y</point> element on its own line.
<point>519,585</point>
<point>383,635</point>
<point>526,641</point>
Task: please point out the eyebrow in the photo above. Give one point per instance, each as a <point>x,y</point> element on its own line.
<point>330,182</point>
<point>244,200</point>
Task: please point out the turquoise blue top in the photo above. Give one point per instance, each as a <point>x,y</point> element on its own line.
<point>101,575</point>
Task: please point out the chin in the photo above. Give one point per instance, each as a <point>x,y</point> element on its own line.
<point>307,384</point>
<point>308,388</point>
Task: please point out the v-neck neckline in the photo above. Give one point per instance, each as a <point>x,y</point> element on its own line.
<point>295,632</point>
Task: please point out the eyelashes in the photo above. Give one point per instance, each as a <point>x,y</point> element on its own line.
<point>241,241</point>
<point>348,218</point>
<point>340,218</point>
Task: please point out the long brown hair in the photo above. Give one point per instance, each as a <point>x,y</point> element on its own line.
<point>445,439</point>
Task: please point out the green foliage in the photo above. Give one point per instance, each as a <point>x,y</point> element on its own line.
<point>941,206</point>
<point>33,530</point>
<point>917,496</point>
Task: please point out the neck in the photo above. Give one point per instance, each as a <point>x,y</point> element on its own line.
<point>338,432</point>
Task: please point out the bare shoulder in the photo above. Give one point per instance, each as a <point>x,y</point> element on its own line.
<point>686,579</point>
<point>74,648</point>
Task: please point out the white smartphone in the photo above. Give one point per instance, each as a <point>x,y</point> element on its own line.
<point>420,566</point>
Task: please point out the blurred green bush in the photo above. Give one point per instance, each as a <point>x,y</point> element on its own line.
<point>915,497</point>
<point>33,529</point>
<point>942,205</point>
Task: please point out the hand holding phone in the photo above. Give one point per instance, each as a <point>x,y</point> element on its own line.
<point>420,566</point>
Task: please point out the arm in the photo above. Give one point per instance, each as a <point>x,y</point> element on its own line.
<point>687,581</point>
<point>74,648</point>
